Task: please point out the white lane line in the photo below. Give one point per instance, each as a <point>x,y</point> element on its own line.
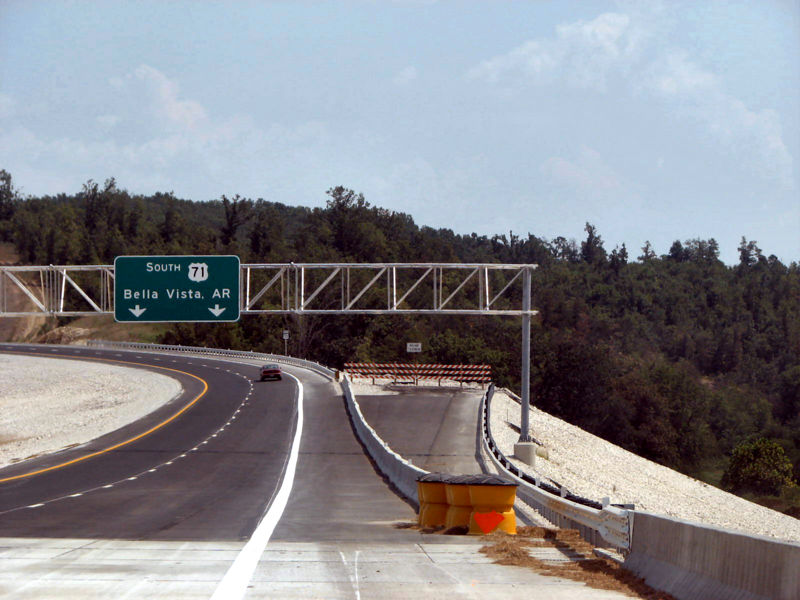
<point>234,584</point>
<point>354,577</point>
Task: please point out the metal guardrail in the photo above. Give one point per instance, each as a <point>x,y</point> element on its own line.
<point>288,360</point>
<point>614,525</point>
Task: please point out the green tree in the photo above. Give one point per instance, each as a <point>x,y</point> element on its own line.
<point>238,211</point>
<point>749,253</point>
<point>647,252</point>
<point>566,250</point>
<point>760,466</point>
<point>619,258</point>
<point>592,250</point>
<point>8,202</point>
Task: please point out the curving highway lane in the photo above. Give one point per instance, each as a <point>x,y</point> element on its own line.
<point>202,467</point>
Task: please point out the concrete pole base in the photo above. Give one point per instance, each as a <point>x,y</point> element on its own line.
<point>526,452</point>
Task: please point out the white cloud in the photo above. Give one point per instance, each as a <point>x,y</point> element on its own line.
<point>676,75</point>
<point>582,54</point>
<point>210,155</point>
<point>588,173</point>
<point>617,47</point>
<point>405,76</point>
<point>697,93</point>
<point>187,114</point>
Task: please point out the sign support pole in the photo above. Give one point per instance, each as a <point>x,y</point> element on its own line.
<point>524,429</point>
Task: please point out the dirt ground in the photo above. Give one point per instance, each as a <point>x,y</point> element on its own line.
<point>584,566</point>
<point>601,573</point>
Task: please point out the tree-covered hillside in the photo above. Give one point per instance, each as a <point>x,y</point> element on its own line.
<point>674,356</point>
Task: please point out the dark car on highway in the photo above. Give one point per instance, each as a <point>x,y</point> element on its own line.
<point>270,372</point>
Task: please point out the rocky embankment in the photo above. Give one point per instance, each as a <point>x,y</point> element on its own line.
<point>48,403</point>
<point>594,468</point>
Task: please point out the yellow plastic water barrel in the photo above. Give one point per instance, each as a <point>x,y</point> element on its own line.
<point>459,504</point>
<point>492,499</point>
<point>432,493</point>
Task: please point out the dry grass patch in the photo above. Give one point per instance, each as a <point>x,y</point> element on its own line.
<point>595,572</point>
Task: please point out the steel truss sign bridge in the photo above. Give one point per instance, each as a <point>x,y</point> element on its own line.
<point>334,288</point>
<point>304,288</point>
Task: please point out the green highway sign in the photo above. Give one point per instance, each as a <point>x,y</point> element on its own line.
<point>149,289</point>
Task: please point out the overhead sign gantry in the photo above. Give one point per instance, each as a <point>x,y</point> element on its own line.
<point>207,288</point>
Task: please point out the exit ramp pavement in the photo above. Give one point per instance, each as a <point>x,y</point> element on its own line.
<point>343,536</point>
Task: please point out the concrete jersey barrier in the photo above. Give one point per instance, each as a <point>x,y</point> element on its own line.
<point>689,560</point>
<point>397,469</point>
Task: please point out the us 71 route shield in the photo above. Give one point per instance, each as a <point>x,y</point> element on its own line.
<point>151,289</point>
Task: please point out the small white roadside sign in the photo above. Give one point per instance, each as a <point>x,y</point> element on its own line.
<point>413,347</point>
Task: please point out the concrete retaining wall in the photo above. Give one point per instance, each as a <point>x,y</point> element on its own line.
<point>689,560</point>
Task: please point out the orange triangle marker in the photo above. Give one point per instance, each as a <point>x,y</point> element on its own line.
<point>488,521</point>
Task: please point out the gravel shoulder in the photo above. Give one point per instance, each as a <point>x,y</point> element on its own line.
<point>47,404</point>
<point>594,468</point>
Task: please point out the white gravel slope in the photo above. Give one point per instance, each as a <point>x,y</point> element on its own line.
<point>48,403</point>
<point>594,468</point>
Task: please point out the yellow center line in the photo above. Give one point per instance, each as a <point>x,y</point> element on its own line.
<point>120,444</point>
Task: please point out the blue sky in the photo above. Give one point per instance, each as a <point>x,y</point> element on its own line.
<point>653,121</point>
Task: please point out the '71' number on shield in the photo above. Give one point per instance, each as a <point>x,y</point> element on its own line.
<point>198,271</point>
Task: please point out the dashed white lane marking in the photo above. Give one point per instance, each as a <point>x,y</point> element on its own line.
<point>152,470</point>
<point>234,584</point>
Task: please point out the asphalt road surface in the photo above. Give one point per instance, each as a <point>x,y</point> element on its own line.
<point>435,428</point>
<point>169,514</point>
<point>206,475</point>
